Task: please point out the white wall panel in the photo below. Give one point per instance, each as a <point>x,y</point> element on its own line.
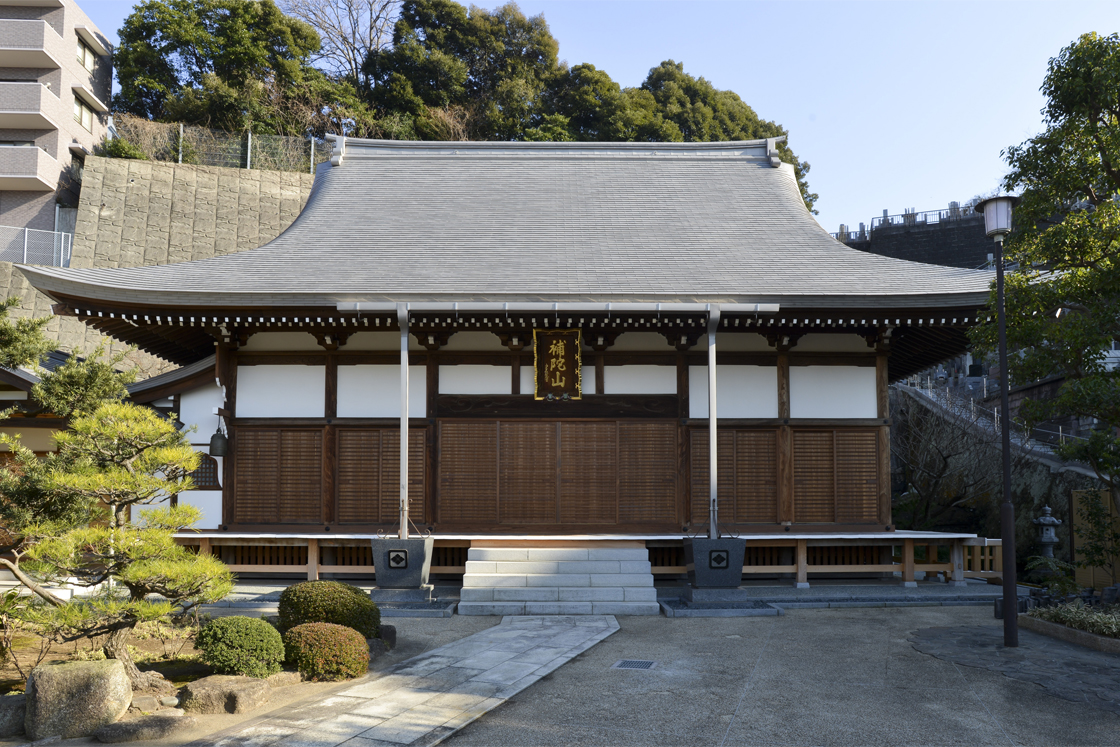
<point>476,342</point>
<point>207,501</point>
<point>475,380</point>
<point>368,391</point>
<point>587,384</point>
<point>636,341</point>
<point>365,340</point>
<point>832,343</point>
<point>743,391</point>
<point>640,379</point>
<point>832,392</point>
<point>197,408</point>
<point>281,391</point>
<point>270,341</point>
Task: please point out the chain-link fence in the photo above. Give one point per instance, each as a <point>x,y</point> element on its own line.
<point>202,146</point>
<point>32,247</point>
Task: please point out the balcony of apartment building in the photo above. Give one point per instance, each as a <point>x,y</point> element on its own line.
<point>31,44</point>
<point>30,105</point>
<point>28,168</point>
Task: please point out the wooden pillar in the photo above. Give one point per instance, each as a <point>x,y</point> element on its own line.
<point>402,322</point>
<point>226,372</point>
<point>600,373</point>
<point>431,386</point>
<point>908,563</point>
<point>515,374</point>
<point>682,386</point>
<point>785,442</point>
<point>956,557</point>
<point>802,564</point>
<point>882,396</point>
<point>312,560</point>
<point>204,546</point>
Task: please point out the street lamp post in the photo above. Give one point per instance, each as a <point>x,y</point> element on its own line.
<point>997,224</point>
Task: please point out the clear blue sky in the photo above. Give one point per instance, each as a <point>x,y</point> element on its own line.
<point>894,104</point>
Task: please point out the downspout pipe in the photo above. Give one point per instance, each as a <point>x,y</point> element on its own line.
<point>402,320</point>
<point>713,433</point>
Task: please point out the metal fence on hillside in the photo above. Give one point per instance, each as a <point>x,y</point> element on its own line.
<point>179,143</point>
<point>29,246</point>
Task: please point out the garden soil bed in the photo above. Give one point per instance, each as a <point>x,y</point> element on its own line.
<point>1070,635</point>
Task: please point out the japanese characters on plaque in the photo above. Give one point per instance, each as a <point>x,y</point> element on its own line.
<point>556,364</point>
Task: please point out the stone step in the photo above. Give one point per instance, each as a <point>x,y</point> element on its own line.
<point>559,608</point>
<point>558,594</point>
<point>558,566</point>
<point>496,580</point>
<point>535,554</point>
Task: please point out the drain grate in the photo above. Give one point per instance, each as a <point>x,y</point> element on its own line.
<point>634,664</point>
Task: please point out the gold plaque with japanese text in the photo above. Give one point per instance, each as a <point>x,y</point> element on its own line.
<point>557,364</point>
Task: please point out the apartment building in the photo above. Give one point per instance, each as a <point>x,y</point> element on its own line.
<point>55,83</point>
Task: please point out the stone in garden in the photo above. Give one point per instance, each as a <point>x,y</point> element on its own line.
<point>170,701</point>
<point>377,646</point>
<point>74,698</point>
<point>284,679</point>
<point>11,714</point>
<point>1110,595</point>
<point>146,728</point>
<point>223,693</point>
<point>388,633</point>
<point>147,703</point>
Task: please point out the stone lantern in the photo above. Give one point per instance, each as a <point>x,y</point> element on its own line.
<point>1047,535</point>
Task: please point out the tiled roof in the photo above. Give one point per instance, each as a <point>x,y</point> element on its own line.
<point>392,221</point>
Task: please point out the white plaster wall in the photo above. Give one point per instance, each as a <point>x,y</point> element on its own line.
<point>742,391</point>
<point>267,341</point>
<point>197,407</point>
<point>36,439</point>
<point>832,392</point>
<point>207,501</point>
<point>475,380</point>
<point>281,391</point>
<point>378,341</point>
<point>638,341</point>
<point>640,379</point>
<point>369,391</point>
<point>476,342</point>
<point>735,342</point>
<point>587,385</point>
<point>823,343</point>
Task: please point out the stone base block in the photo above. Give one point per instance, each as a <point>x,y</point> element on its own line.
<point>422,594</point>
<point>694,594</point>
<point>491,608</point>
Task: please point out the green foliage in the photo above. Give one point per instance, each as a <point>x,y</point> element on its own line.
<point>1063,300</point>
<point>1060,579</point>
<point>1077,615</point>
<point>122,454</point>
<point>331,602</point>
<point>118,147</point>
<point>241,645</point>
<point>167,46</point>
<point>235,65</point>
<point>325,651</point>
<point>22,342</point>
<point>80,384</point>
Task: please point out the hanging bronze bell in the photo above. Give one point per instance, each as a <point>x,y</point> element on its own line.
<point>219,444</point>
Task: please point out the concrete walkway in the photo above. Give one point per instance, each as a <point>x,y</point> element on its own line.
<point>425,699</point>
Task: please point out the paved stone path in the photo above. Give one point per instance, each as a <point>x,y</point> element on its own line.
<point>1066,670</point>
<point>427,698</point>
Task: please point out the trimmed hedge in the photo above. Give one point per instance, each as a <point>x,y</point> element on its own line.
<point>241,645</point>
<point>325,651</point>
<point>1104,622</point>
<point>329,602</point>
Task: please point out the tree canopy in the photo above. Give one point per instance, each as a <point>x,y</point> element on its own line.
<point>1063,300</point>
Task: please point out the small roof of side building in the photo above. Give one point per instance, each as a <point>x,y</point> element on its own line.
<point>498,228</point>
<point>509,222</point>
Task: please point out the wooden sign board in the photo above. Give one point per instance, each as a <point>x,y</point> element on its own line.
<point>557,364</point>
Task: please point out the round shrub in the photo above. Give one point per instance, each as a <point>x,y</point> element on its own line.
<point>241,645</point>
<point>325,651</point>
<point>329,602</point>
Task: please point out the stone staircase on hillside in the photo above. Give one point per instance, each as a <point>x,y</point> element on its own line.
<point>593,578</point>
